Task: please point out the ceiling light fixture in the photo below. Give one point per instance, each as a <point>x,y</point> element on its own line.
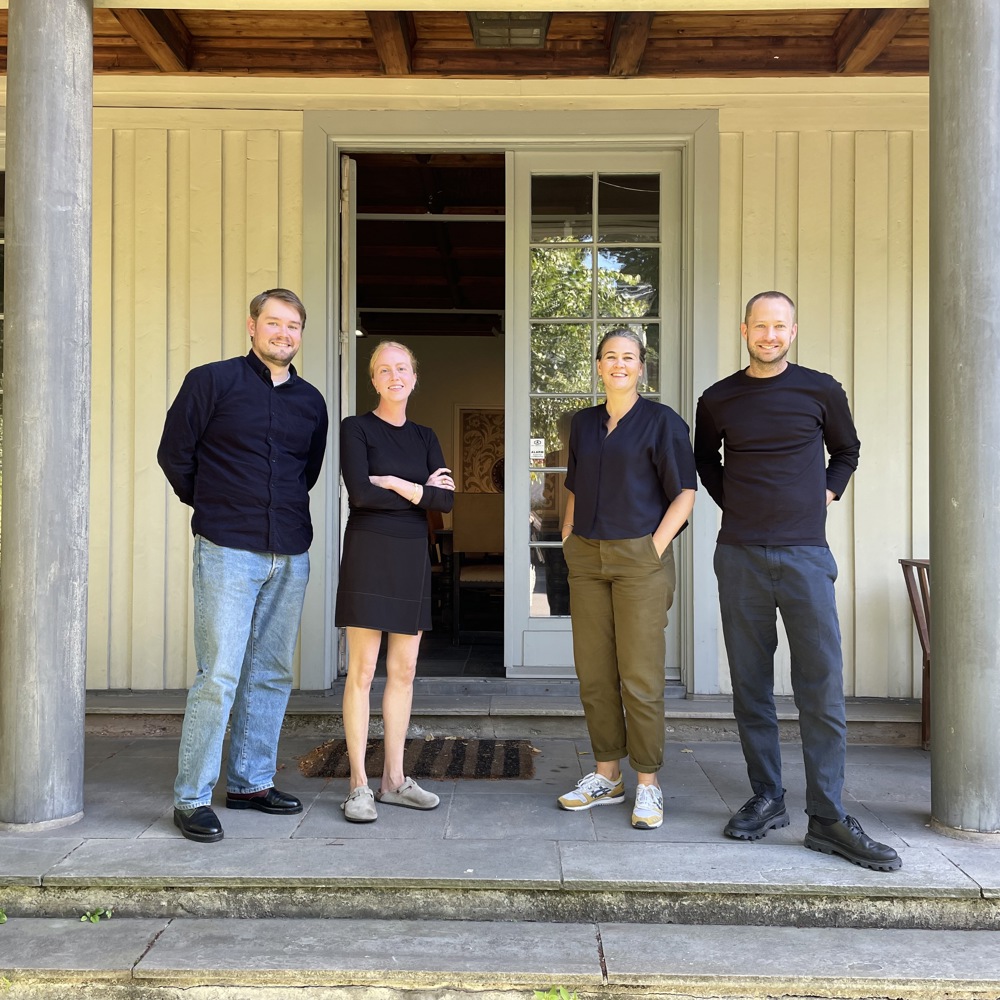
<point>509,29</point>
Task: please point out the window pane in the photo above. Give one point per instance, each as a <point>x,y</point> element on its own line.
<point>628,207</point>
<point>562,208</point>
<point>628,282</point>
<point>548,503</point>
<point>561,357</point>
<point>549,585</point>
<point>650,334</point>
<point>550,420</point>
<point>561,284</point>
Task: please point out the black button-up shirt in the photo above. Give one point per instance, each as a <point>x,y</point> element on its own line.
<point>244,453</point>
<point>623,482</point>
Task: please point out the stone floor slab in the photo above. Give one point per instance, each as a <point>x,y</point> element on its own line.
<point>981,865</point>
<point>26,858</point>
<point>829,961</point>
<point>59,949</point>
<point>437,953</point>
<point>736,867</point>
<point>316,863</point>
<point>686,818</point>
<point>492,817</point>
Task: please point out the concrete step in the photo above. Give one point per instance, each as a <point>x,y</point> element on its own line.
<point>134,958</point>
<point>956,887</point>
<point>502,709</point>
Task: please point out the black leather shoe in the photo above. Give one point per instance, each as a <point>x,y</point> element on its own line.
<point>756,817</point>
<point>199,824</point>
<point>270,801</point>
<point>847,839</point>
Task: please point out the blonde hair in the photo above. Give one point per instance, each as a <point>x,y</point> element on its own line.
<point>385,345</point>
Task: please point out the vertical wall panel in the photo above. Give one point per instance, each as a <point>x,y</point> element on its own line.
<point>919,423</point>
<point>149,339</point>
<point>898,434</point>
<point>730,252</point>
<point>237,287</point>
<point>882,413</point>
<point>813,186</point>
<point>841,516</point>
<point>786,218</point>
<point>122,441</point>
<point>758,212</point>
<point>290,218</point>
<point>262,216</point>
<point>176,621</point>
<point>99,571</point>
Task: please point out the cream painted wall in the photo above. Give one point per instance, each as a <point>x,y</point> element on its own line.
<point>823,192</point>
<point>838,219</point>
<point>189,224</point>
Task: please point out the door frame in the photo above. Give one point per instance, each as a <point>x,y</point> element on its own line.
<point>329,134</point>
<point>542,646</point>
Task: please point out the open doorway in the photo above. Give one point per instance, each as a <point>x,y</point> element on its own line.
<point>430,273</point>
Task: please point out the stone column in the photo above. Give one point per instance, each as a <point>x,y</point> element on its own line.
<point>965,416</point>
<point>46,475</point>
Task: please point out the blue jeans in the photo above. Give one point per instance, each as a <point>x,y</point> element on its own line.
<point>754,582</point>
<point>247,609</point>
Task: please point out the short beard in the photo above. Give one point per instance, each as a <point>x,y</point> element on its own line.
<point>773,362</point>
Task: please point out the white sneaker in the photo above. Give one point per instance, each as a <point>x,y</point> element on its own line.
<point>648,811</point>
<point>593,790</point>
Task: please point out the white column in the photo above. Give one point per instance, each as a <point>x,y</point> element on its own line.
<point>965,416</point>
<point>43,573</point>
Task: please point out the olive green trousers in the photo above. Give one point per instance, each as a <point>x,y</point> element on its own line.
<point>620,592</point>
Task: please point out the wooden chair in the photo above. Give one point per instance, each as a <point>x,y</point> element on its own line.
<point>917,574</point>
<point>477,549</point>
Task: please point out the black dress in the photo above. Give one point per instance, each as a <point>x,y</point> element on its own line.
<point>385,573</point>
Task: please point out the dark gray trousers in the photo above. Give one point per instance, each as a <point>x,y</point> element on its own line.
<point>756,581</point>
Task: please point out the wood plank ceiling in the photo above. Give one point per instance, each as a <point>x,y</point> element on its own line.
<point>283,42</point>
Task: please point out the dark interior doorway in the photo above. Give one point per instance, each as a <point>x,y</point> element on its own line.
<point>430,262</point>
<point>430,251</point>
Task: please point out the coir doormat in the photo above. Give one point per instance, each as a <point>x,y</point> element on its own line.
<point>435,758</point>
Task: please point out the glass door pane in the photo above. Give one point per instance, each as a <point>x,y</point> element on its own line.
<point>574,292</point>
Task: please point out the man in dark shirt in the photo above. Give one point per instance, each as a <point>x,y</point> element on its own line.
<point>776,421</point>
<point>243,444</point>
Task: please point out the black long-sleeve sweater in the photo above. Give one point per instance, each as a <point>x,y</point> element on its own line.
<point>775,432</point>
<point>371,447</point>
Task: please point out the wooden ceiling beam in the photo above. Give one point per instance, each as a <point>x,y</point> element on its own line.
<point>162,36</point>
<point>863,35</point>
<point>628,42</point>
<point>393,40</point>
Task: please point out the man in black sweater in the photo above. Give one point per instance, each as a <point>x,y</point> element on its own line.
<point>776,421</point>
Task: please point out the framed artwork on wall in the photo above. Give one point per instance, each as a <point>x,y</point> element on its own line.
<point>479,450</point>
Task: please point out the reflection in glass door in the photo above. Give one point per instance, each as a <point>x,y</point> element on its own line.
<point>603,252</point>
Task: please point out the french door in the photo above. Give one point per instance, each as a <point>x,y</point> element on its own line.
<point>597,245</point>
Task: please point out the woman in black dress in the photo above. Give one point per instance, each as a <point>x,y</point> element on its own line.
<point>394,472</point>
